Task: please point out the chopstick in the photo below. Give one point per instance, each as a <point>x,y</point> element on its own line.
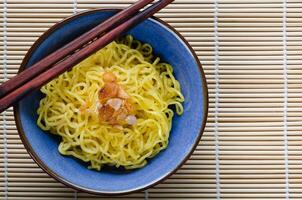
<point>78,56</point>
<point>61,53</point>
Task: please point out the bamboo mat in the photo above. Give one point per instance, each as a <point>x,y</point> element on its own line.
<point>251,51</point>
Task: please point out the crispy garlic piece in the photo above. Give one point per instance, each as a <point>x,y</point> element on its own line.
<point>116,107</point>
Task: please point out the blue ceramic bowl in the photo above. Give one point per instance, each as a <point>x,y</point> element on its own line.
<point>186,132</point>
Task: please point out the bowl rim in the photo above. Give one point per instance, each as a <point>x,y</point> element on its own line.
<point>62,180</point>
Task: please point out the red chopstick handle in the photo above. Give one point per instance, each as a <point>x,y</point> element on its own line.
<point>77,57</point>
<point>58,55</point>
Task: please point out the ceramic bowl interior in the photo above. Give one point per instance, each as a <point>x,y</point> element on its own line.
<point>185,134</point>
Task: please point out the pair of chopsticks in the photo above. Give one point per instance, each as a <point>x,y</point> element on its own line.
<point>57,63</point>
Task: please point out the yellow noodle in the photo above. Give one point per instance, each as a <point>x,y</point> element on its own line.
<point>151,86</point>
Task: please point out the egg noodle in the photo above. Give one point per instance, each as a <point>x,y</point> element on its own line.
<point>151,86</point>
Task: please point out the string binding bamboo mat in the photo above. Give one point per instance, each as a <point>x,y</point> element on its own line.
<point>251,51</point>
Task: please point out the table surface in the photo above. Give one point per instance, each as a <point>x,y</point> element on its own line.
<point>251,51</point>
